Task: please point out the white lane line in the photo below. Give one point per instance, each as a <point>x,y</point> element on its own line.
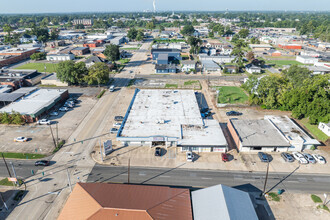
<point>206,178</point>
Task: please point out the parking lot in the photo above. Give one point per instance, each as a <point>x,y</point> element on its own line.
<point>39,136</point>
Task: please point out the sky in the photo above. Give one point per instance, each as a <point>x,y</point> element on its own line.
<point>54,6</point>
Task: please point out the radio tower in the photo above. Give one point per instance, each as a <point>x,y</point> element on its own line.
<point>154,4</point>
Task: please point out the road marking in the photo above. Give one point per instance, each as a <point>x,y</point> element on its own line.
<point>123,174</point>
<point>142,174</point>
<point>56,193</point>
<point>206,178</point>
<point>165,176</point>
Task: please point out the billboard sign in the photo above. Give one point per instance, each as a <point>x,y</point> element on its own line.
<point>107,147</point>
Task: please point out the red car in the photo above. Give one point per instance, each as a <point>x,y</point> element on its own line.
<point>224,157</point>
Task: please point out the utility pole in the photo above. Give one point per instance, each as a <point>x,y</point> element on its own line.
<point>3,200</point>
<point>128,171</point>
<point>101,150</point>
<point>6,165</point>
<point>266,179</point>
<point>51,131</point>
<point>12,166</point>
<point>67,171</point>
<point>56,133</point>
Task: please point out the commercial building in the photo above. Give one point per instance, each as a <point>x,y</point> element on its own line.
<point>60,57</point>
<point>85,22</point>
<point>14,55</point>
<point>290,46</point>
<point>222,202</point>
<point>78,51</point>
<point>210,66</point>
<point>325,128</point>
<point>36,103</point>
<point>18,78</point>
<point>103,201</point>
<point>217,59</point>
<point>298,139</point>
<point>165,68</point>
<point>170,118</point>
<point>52,79</point>
<point>307,59</point>
<point>173,54</point>
<point>257,135</point>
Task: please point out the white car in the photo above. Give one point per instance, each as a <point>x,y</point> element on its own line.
<point>319,158</point>
<point>112,88</point>
<point>189,156</point>
<point>20,139</point>
<point>300,158</point>
<point>44,122</point>
<point>309,158</point>
<point>53,114</point>
<point>63,109</point>
<point>117,124</point>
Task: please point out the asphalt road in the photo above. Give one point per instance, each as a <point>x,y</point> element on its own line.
<point>22,168</point>
<point>306,183</point>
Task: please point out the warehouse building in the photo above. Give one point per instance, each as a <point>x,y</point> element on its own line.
<point>170,118</point>
<point>35,104</point>
<point>19,78</point>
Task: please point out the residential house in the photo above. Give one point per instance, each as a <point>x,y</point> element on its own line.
<point>230,69</point>
<point>274,53</point>
<point>217,59</point>
<point>210,66</point>
<point>188,65</point>
<point>226,50</point>
<point>162,58</point>
<point>27,38</point>
<point>325,128</point>
<point>250,68</point>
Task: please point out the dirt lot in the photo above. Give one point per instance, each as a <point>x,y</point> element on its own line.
<point>299,205</point>
<point>40,139</point>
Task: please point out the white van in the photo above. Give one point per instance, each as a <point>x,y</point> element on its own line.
<point>112,88</point>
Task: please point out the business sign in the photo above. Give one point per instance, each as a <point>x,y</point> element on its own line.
<point>12,179</point>
<point>158,139</point>
<point>107,147</point>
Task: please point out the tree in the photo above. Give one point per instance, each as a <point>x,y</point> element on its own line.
<point>150,25</point>
<point>7,28</point>
<point>132,33</point>
<point>5,118</point>
<point>140,36</point>
<point>112,52</point>
<point>211,34</point>
<point>255,40</point>
<point>194,43</point>
<point>296,75</point>
<point>238,51</point>
<point>16,118</point>
<point>243,33</point>
<point>250,56</point>
<point>54,34</point>
<point>188,30</point>
<point>98,74</point>
<point>38,56</point>
<point>71,72</point>
<point>80,26</point>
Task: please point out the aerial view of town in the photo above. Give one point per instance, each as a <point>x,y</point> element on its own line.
<point>165,110</point>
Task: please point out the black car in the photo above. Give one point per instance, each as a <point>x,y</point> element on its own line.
<point>233,113</point>
<point>42,163</point>
<point>204,110</point>
<point>158,151</point>
<point>287,157</point>
<point>119,118</point>
<point>263,157</point>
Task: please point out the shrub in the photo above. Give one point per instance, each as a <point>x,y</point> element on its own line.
<point>59,146</point>
<point>316,199</point>
<point>101,94</point>
<point>274,196</point>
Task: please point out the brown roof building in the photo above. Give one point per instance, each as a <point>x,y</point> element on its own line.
<point>126,202</point>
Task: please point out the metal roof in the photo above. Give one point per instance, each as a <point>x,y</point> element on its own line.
<point>123,201</point>
<point>222,202</point>
<point>10,97</point>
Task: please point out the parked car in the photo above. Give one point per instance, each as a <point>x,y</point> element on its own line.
<point>263,157</point>
<point>53,113</point>
<point>112,88</point>
<point>309,158</point>
<point>113,130</point>
<point>42,163</point>
<point>233,113</point>
<point>72,100</point>
<point>189,156</point>
<point>224,157</point>
<point>158,152</point>
<point>287,157</point>
<point>63,109</point>
<point>203,110</point>
<point>320,159</point>
<point>44,122</point>
<point>117,124</point>
<point>20,139</point>
<point>119,118</point>
<point>300,158</point>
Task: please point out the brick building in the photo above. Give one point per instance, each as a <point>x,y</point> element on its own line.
<point>14,55</point>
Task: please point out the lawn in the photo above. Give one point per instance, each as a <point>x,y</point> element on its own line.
<point>5,182</point>
<point>50,67</point>
<point>171,86</point>
<point>190,82</point>
<point>232,95</point>
<point>284,62</point>
<point>314,130</point>
<point>274,196</point>
<point>22,155</point>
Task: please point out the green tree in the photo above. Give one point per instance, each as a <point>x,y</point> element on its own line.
<point>71,72</point>
<point>211,34</point>
<point>296,75</point>
<point>238,51</point>
<point>255,40</point>
<point>140,36</point>
<point>112,52</point>
<point>5,118</point>
<point>243,33</point>
<point>7,28</point>
<point>98,74</point>
<point>132,33</point>
<point>250,56</point>
<point>194,43</point>
<point>80,26</point>
<point>38,56</point>
<point>17,118</point>
<point>150,25</point>
<point>188,30</point>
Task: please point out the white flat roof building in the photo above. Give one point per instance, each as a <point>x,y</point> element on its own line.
<point>171,117</point>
